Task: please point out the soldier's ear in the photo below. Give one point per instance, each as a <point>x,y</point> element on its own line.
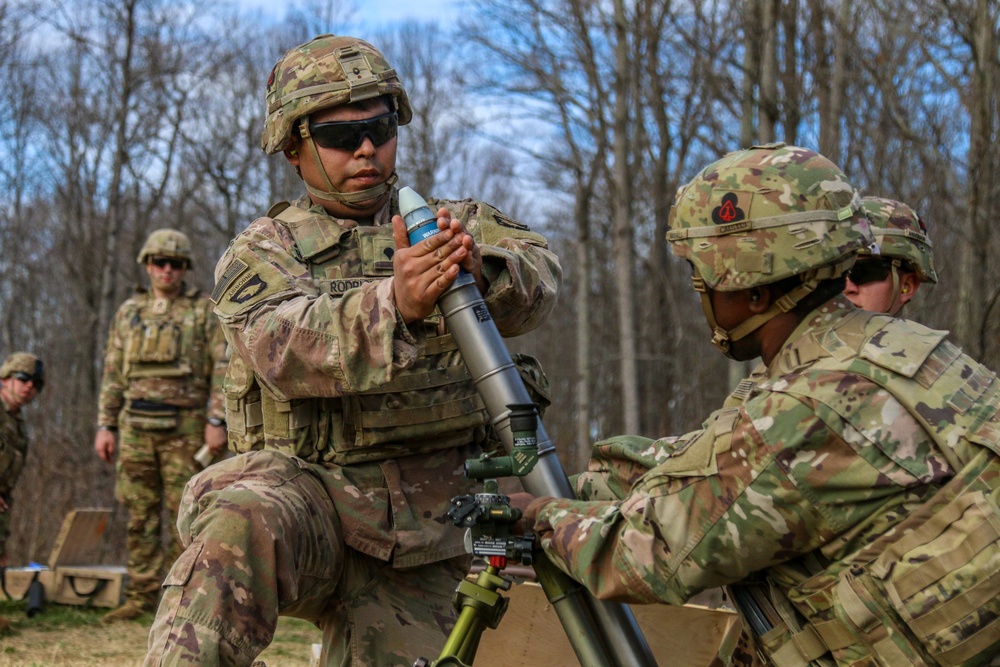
<point>759,299</point>
<point>908,286</point>
<point>292,153</point>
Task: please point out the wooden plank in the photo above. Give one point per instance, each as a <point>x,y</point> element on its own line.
<point>530,633</point>
<point>79,539</point>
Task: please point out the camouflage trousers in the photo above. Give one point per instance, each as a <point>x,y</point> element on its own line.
<point>153,467</point>
<point>5,526</point>
<point>263,540</point>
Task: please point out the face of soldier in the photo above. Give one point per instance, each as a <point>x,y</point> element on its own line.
<point>166,275</point>
<point>731,309</point>
<point>870,286</point>
<point>17,392</point>
<point>349,170</point>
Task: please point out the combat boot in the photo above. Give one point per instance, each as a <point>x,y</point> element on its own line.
<point>131,610</point>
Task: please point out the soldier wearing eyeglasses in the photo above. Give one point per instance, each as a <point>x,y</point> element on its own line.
<point>886,279</point>
<point>161,400</point>
<point>22,377</point>
<point>345,377</point>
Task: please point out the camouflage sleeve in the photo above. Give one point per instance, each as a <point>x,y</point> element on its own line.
<point>735,498</point>
<point>523,274</point>
<point>617,464</point>
<point>113,384</point>
<point>217,363</point>
<point>302,343</point>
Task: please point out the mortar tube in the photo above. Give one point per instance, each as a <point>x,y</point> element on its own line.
<point>493,371</point>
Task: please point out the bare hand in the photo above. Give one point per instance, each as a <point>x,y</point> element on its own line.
<point>3,505</point>
<point>521,501</point>
<point>105,445</point>
<point>473,263</point>
<point>423,272</point>
<point>216,438</point>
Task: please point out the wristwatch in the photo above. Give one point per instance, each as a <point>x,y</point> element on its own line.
<point>105,427</point>
<point>215,421</point>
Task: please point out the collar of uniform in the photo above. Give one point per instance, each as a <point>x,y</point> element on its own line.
<point>809,340</point>
<point>382,217</point>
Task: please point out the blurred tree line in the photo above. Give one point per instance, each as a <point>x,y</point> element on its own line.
<point>578,117</point>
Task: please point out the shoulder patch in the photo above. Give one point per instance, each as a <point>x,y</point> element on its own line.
<point>235,269</point>
<point>246,288</point>
<point>502,219</point>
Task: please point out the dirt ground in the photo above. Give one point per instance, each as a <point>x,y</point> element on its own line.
<point>69,636</point>
<point>74,637</point>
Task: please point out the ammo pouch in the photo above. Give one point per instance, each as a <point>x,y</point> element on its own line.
<point>244,418</point>
<point>155,342</point>
<point>433,405</point>
<point>147,416</point>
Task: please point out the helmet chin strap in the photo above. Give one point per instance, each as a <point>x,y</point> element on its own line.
<point>723,339</point>
<point>359,200</point>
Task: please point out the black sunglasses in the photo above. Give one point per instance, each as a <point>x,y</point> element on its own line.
<point>175,264</point>
<point>24,377</point>
<point>347,135</point>
<point>869,271</point>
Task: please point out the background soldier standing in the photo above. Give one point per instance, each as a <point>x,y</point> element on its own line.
<point>22,376</point>
<point>366,409</point>
<point>847,496</point>
<point>163,369</point>
<point>885,282</point>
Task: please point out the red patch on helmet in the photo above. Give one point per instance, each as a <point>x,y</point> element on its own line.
<point>270,79</point>
<point>728,211</point>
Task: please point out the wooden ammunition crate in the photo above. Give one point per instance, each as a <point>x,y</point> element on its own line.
<point>74,574</point>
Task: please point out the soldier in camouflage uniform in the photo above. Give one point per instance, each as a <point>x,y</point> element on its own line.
<point>847,496</point>
<point>22,376</point>
<point>164,368</point>
<point>884,281</point>
<point>347,386</point>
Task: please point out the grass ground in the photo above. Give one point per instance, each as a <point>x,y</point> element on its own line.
<point>65,636</point>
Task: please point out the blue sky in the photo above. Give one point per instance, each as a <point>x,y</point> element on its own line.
<point>377,13</point>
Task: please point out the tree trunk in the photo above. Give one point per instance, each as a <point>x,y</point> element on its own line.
<point>109,273</point>
<point>622,223</point>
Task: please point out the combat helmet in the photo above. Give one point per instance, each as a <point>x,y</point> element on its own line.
<point>325,72</point>
<point>166,243</point>
<point>24,362</point>
<point>901,236</point>
<point>762,215</point>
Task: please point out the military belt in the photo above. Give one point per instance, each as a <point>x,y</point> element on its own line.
<point>150,406</point>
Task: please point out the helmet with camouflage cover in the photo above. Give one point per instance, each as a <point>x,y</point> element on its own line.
<point>901,235</point>
<point>24,362</point>
<point>166,243</point>
<point>762,215</point>
<point>326,72</point>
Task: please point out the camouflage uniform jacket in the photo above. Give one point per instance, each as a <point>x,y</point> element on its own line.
<point>13,449</point>
<point>800,482</point>
<point>168,351</point>
<point>306,330</point>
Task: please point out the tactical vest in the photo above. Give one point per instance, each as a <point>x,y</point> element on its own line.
<point>432,405</point>
<point>13,449</point>
<point>158,344</point>
<point>928,592</point>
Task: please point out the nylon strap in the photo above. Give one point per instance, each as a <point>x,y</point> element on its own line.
<point>933,570</point>
<point>801,649</point>
<point>970,601</point>
<point>906,233</point>
<point>349,199</point>
<point>766,223</point>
